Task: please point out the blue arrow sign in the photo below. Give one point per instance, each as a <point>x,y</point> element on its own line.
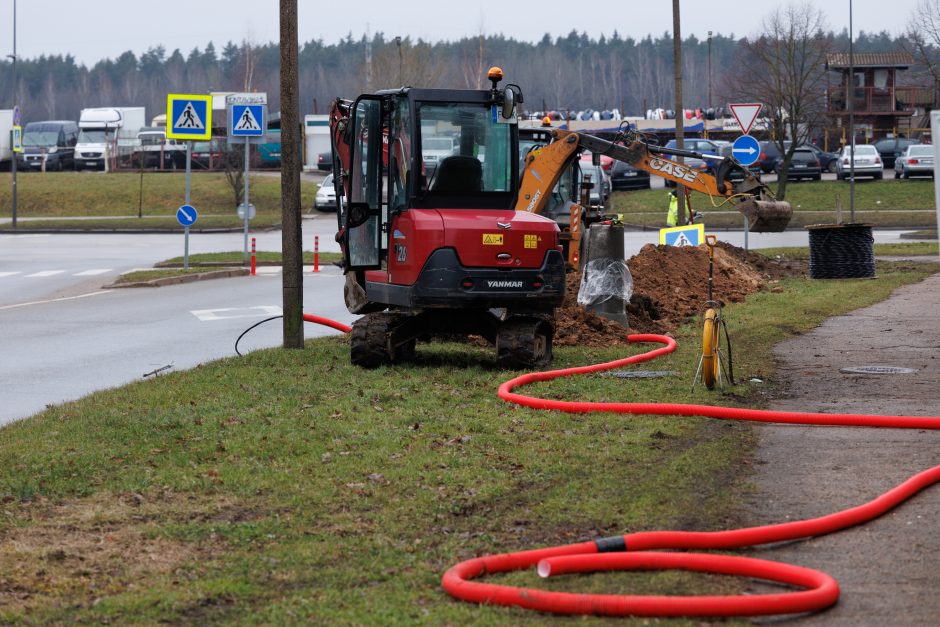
<point>745,150</point>
<point>186,215</point>
<point>247,120</point>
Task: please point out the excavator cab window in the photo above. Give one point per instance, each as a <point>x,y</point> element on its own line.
<point>467,156</point>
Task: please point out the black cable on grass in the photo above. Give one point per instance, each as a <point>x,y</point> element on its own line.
<point>257,324</point>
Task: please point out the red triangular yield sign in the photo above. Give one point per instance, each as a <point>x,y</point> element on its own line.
<point>745,114</point>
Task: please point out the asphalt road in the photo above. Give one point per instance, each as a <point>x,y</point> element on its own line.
<point>65,335</point>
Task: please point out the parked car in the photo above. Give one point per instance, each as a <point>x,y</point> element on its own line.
<point>325,199</point>
<point>208,155</point>
<point>53,141</point>
<point>625,176</point>
<point>738,175</point>
<point>600,182</point>
<point>702,146</point>
<point>828,161</point>
<point>325,161</point>
<point>769,155</point>
<point>890,148</point>
<point>916,160</point>
<point>803,165</point>
<point>867,162</point>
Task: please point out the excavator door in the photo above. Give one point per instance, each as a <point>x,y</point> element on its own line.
<point>361,221</point>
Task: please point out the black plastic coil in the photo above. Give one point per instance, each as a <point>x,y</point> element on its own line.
<point>841,252</point>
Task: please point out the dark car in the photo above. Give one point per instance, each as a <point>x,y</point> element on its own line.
<point>890,148</point>
<point>769,155</point>
<point>208,154</point>
<point>325,161</point>
<point>736,174</point>
<point>803,165</point>
<point>625,176</point>
<point>828,161</point>
<point>51,143</point>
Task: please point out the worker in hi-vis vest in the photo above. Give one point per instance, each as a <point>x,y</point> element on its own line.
<point>672,217</point>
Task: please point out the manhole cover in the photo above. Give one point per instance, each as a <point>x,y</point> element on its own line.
<point>640,374</point>
<point>877,370</point>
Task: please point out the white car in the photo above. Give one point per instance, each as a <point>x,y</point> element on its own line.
<point>867,162</point>
<point>916,160</point>
<point>326,195</point>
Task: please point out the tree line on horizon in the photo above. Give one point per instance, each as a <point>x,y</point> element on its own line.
<point>567,73</point>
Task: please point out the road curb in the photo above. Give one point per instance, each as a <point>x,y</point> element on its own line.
<point>184,278</point>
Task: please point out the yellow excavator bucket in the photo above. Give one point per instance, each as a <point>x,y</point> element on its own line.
<point>766,216</point>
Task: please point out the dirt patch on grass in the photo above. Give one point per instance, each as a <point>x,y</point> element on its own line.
<point>71,553</point>
<point>670,285</point>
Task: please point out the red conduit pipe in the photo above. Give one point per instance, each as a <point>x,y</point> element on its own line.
<point>634,551</point>
<point>339,326</point>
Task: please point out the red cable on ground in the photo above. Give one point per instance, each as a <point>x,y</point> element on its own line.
<point>633,551</point>
<point>636,551</point>
<point>339,326</point>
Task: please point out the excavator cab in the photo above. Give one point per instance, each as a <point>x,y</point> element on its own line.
<point>431,241</point>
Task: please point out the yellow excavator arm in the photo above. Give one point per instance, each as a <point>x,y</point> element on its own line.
<point>544,166</point>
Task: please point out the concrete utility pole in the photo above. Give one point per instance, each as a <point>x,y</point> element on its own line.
<point>291,251</point>
<point>680,117</point>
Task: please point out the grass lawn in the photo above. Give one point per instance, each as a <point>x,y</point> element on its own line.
<point>155,195</point>
<point>289,487</point>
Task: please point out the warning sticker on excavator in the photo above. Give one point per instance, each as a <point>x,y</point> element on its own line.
<point>493,239</point>
<point>531,241</point>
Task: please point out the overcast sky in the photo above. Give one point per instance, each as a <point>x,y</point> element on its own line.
<point>92,30</point>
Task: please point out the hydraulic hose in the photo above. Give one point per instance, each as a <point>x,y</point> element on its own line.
<point>643,550</point>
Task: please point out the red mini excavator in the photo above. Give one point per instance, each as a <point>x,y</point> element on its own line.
<point>426,186</point>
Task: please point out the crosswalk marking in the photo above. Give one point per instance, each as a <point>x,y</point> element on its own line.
<point>93,272</point>
<point>3,274</point>
<point>45,273</point>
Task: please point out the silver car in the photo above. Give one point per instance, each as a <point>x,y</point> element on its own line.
<point>916,160</point>
<point>326,196</point>
<point>867,162</point>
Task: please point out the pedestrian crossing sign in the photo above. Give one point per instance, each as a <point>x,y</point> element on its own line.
<point>690,235</point>
<point>247,120</point>
<point>189,116</point>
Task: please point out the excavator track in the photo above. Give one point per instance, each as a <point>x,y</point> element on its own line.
<point>524,342</point>
<point>377,339</point>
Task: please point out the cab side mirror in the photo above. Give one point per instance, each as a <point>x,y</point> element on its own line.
<point>358,214</point>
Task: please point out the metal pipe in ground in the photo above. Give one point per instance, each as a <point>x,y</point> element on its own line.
<point>604,272</point>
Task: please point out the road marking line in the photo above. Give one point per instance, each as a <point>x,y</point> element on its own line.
<point>3,274</point>
<point>53,300</point>
<point>268,270</point>
<point>45,273</point>
<point>93,272</point>
<point>228,313</point>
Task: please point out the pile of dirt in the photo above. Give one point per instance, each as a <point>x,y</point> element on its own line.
<point>670,285</point>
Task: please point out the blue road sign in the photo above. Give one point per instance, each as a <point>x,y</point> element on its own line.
<point>186,215</point>
<point>189,116</point>
<point>745,150</point>
<point>247,120</point>
<point>689,235</point>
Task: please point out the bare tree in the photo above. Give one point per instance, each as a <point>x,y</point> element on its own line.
<point>784,68</point>
<point>923,38</point>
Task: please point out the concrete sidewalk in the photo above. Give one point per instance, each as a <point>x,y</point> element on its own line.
<point>888,569</point>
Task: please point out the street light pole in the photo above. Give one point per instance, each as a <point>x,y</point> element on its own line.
<point>851,95</point>
<point>13,163</point>
<point>398,43</point>
<point>709,69</point>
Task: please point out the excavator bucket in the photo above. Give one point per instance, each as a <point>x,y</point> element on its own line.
<point>766,216</point>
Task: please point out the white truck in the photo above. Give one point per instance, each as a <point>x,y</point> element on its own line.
<point>317,149</point>
<point>6,138</point>
<point>107,133</point>
<point>155,150</point>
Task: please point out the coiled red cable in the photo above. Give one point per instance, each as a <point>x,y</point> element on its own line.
<point>635,551</point>
<point>638,551</point>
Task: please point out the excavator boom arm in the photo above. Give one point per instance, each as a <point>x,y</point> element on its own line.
<point>544,166</point>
